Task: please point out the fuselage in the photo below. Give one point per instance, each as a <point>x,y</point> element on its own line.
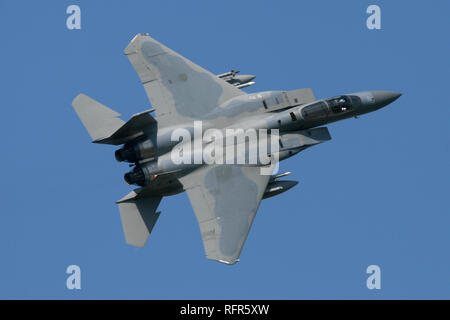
<point>260,111</point>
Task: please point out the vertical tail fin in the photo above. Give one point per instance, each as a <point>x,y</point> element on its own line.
<point>99,120</point>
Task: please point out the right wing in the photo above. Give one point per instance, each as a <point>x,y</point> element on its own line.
<point>177,88</point>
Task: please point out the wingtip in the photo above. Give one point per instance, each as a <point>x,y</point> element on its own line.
<point>130,47</point>
<point>78,97</point>
<point>229,262</point>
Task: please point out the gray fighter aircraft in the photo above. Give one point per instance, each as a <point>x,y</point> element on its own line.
<point>225,197</point>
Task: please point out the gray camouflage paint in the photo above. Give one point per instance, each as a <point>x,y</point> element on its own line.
<point>179,71</point>
<point>225,226</point>
<point>233,214</point>
<point>174,82</point>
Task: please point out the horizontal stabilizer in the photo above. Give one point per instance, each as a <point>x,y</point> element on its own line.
<point>99,120</point>
<point>138,215</point>
<point>133,128</point>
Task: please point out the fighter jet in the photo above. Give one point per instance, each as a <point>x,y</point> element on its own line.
<point>225,195</point>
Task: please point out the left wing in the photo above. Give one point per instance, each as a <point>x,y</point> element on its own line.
<point>225,199</point>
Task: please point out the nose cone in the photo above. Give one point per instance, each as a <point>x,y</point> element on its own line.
<point>383,98</point>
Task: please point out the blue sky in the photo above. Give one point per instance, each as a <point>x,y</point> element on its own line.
<point>377,193</point>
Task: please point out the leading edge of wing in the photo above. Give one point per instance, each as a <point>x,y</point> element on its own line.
<point>225,199</point>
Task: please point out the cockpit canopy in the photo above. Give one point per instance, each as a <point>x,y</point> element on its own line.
<point>332,106</point>
<point>339,104</point>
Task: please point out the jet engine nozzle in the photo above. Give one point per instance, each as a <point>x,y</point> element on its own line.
<point>126,154</point>
<point>143,174</point>
<point>135,152</point>
<point>136,176</point>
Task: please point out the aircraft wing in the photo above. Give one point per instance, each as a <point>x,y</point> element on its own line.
<point>177,88</point>
<point>225,199</point>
